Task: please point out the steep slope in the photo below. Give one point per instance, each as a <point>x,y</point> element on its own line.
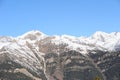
<point>37,56</point>
<point>108,62</point>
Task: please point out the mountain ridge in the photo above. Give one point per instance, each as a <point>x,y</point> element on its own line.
<point>100,40</point>
<point>56,57</point>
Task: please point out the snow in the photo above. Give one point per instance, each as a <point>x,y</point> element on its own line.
<point>4,41</point>
<point>32,35</point>
<point>99,40</point>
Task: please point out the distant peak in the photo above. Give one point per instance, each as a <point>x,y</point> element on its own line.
<point>99,33</point>
<point>34,32</point>
<point>32,35</point>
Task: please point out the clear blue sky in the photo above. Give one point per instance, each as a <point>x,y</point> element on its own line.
<point>72,17</point>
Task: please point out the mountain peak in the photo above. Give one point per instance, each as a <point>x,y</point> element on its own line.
<point>32,35</point>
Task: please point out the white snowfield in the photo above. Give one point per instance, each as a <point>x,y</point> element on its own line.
<point>98,41</point>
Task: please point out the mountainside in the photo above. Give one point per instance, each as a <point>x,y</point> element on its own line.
<point>37,56</point>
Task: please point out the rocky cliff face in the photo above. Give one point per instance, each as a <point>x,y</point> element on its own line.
<point>36,56</point>
<point>109,63</point>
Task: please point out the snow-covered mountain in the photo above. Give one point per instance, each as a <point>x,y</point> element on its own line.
<point>100,40</point>
<point>38,56</point>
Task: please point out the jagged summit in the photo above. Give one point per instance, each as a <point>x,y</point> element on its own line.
<point>98,41</point>
<point>32,35</point>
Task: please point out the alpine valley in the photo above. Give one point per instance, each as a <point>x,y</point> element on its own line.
<point>37,56</point>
